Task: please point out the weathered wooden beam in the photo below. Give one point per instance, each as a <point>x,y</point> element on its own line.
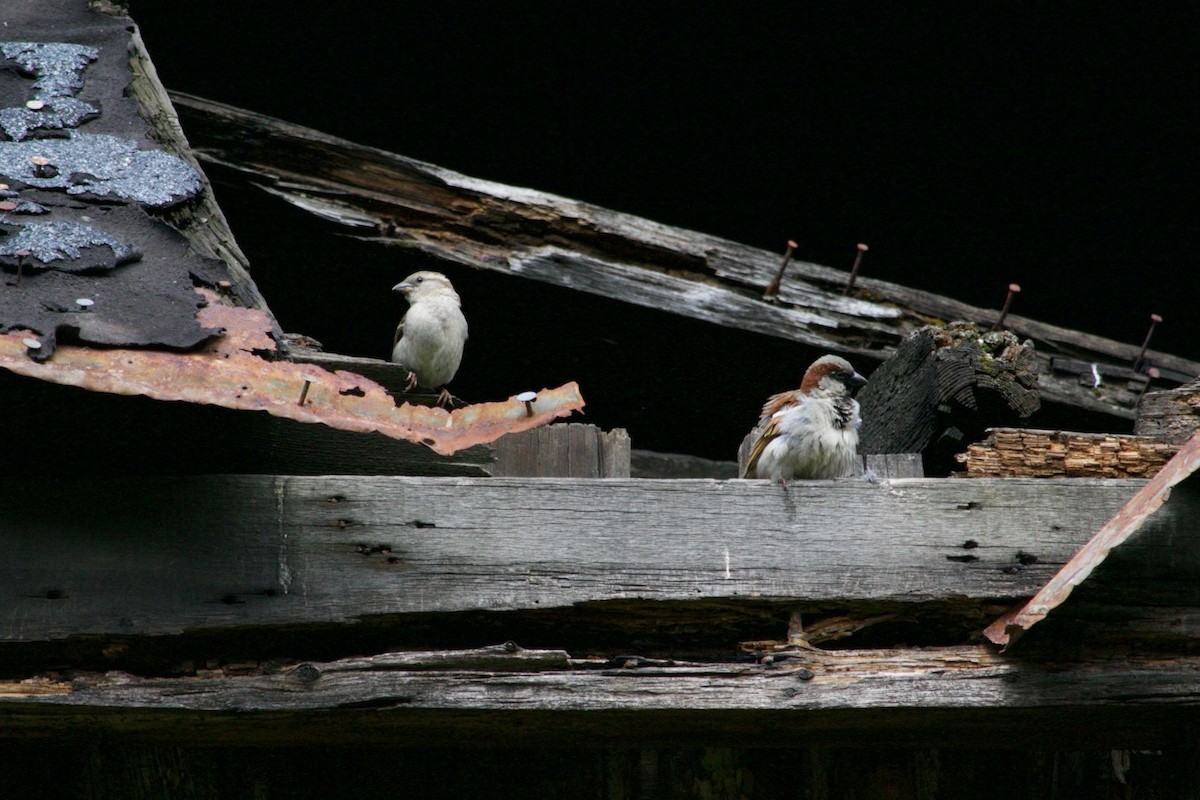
<point>925,695</point>
<point>544,237</point>
<point>1173,415</point>
<point>167,555</point>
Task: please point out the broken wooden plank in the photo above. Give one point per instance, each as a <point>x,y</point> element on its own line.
<point>927,695</point>
<point>569,450</point>
<point>1025,453</point>
<point>1172,415</point>
<point>342,548</point>
<point>576,245</point>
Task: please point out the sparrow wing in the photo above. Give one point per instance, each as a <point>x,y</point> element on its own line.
<point>399,332</point>
<point>776,403</point>
<point>764,434</point>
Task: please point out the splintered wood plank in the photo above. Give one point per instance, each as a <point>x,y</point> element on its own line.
<point>486,225</point>
<point>1172,415</point>
<point>926,695</point>
<point>1017,452</point>
<point>169,555</point>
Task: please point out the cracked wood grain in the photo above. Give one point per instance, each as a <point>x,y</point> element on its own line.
<point>89,556</point>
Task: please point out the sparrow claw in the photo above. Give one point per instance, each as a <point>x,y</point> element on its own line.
<point>411,382</point>
<point>444,397</point>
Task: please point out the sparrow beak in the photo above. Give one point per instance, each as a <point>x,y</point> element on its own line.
<point>856,380</point>
<point>403,288</point>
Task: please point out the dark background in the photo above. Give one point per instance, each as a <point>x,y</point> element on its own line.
<point>1053,146</point>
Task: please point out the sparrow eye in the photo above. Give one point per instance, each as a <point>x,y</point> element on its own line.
<point>420,280</point>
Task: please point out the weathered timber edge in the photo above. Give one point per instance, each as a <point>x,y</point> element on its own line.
<point>91,557</point>
<point>924,695</point>
<point>576,245</point>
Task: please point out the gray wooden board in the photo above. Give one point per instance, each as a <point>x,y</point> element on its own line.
<point>166,555</point>
<point>563,450</point>
<point>928,682</point>
<point>902,691</point>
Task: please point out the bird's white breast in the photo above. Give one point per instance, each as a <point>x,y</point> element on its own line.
<point>432,342</point>
<point>811,443</point>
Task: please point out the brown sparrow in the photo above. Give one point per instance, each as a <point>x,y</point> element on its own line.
<point>811,432</point>
<point>429,340</point>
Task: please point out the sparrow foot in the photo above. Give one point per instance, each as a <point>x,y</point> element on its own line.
<point>444,397</point>
<point>411,382</point>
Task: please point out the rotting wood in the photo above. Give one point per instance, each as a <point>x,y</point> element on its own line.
<point>1021,453</point>
<point>943,388</point>
<point>337,549</point>
<point>549,238</point>
<point>1172,415</point>
<point>507,657</point>
<point>903,692</point>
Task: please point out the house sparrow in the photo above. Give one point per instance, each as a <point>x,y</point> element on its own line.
<point>429,340</point>
<point>811,432</point>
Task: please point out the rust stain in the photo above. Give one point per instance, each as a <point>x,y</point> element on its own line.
<point>1009,627</point>
<point>228,372</point>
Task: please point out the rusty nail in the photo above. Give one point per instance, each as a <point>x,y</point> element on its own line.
<point>32,344</point>
<point>1013,290</point>
<point>527,398</point>
<point>1154,320</point>
<point>20,254</point>
<point>1147,376</point>
<point>858,257</point>
<point>304,392</point>
<point>773,287</point>
<point>7,205</point>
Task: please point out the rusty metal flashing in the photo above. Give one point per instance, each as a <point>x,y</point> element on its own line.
<point>1008,628</point>
<point>231,372</point>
